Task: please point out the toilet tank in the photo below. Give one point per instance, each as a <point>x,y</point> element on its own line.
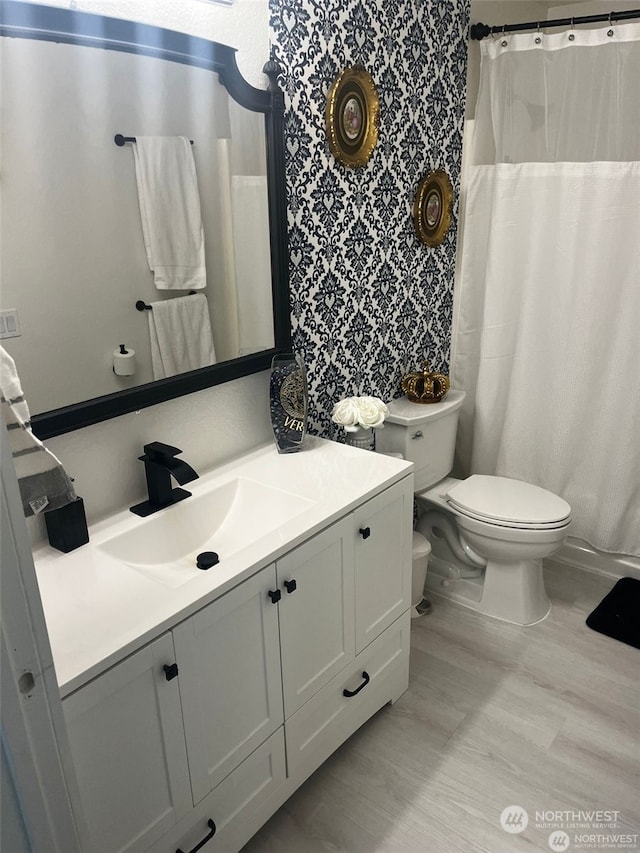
<point>425,434</point>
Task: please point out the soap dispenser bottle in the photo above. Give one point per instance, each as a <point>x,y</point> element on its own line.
<point>67,526</point>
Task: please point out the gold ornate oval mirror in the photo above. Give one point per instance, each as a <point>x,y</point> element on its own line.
<point>432,208</point>
<point>352,115</point>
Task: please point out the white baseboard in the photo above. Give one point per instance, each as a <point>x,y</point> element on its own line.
<point>575,552</point>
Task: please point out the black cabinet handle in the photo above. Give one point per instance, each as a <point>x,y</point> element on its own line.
<point>209,836</point>
<point>351,693</point>
<point>170,672</point>
<point>275,595</point>
<point>291,585</point>
<point>365,532</point>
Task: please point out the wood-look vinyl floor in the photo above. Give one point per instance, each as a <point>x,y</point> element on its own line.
<point>546,718</point>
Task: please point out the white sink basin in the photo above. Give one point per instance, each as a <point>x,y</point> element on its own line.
<point>226,520</point>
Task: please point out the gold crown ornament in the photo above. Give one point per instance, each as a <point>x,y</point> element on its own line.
<point>425,387</point>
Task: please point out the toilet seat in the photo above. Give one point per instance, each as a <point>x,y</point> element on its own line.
<point>509,503</point>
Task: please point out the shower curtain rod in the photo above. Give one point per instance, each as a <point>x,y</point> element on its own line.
<point>479,31</point>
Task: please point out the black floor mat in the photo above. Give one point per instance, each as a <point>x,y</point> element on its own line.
<point>618,614</point>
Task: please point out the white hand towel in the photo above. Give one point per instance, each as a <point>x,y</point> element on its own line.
<point>180,334</point>
<point>170,211</point>
<point>44,484</point>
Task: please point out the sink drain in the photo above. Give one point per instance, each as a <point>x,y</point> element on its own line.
<point>207,559</point>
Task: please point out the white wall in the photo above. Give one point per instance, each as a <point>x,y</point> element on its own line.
<point>244,25</point>
<point>586,7</point>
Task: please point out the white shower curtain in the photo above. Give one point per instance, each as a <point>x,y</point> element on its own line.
<point>546,338</point>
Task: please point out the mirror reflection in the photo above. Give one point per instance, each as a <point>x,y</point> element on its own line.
<point>75,261</point>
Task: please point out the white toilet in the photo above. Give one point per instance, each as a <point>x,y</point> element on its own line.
<point>488,535</point>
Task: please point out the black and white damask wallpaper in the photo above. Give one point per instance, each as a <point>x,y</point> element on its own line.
<point>369,301</point>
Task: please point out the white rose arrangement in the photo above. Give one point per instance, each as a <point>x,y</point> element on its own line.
<point>355,412</point>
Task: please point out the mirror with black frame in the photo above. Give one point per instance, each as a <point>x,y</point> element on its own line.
<point>77,277</point>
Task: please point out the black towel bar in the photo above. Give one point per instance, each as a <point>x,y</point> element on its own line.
<point>120,140</point>
<point>142,306</point>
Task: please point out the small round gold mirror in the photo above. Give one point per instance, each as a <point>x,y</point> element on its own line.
<point>432,208</point>
<point>352,114</point>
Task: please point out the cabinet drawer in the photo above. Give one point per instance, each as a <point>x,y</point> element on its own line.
<point>238,806</point>
<point>330,717</point>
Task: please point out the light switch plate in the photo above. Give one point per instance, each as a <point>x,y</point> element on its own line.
<point>9,324</point>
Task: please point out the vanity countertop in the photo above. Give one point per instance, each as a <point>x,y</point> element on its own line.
<point>98,609</point>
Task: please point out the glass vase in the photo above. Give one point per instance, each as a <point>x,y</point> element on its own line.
<point>288,401</point>
<point>362,437</point>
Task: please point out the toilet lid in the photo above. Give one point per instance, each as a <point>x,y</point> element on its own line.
<point>513,503</point>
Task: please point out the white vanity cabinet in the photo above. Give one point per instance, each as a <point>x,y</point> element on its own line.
<point>197,738</point>
<point>213,683</point>
<point>127,743</point>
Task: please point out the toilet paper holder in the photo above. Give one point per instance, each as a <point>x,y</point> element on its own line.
<point>124,361</point>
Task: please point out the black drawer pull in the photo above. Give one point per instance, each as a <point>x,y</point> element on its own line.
<point>365,532</point>
<point>170,672</point>
<point>350,693</point>
<point>209,836</point>
<point>275,595</point>
<point>291,585</point>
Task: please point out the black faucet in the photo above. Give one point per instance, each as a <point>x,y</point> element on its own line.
<point>160,465</point>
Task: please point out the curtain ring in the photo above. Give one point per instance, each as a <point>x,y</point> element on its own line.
<point>504,42</point>
<point>537,38</point>
<point>572,35</point>
<point>610,30</point>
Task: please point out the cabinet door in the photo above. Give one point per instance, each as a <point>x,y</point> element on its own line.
<point>383,536</point>
<point>316,615</point>
<point>127,742</point>
<point>230,683</point>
